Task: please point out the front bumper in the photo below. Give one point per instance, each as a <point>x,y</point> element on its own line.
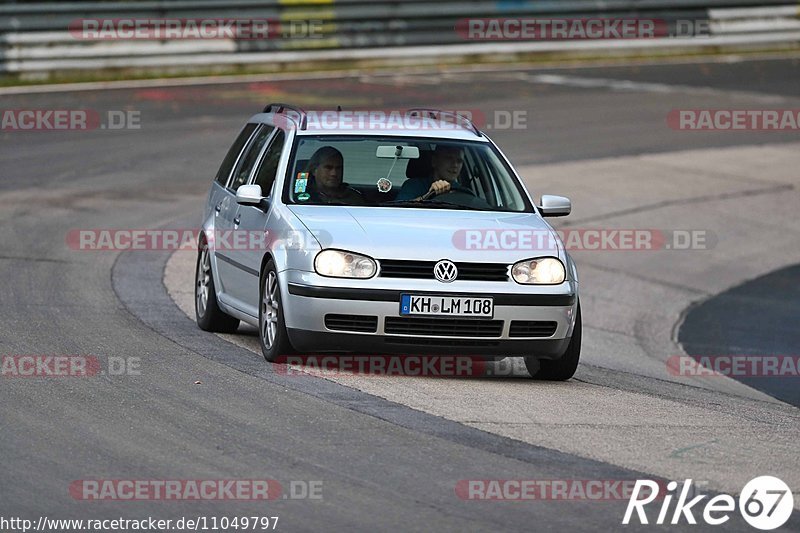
<point>308,298</point>
<point>312,342</point>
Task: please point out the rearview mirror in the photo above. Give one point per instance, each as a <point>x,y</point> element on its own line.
<point>555,206</point>
<point>399,152</point>
<point>249,195</point>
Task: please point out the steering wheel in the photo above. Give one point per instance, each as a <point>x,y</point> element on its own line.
<point>463,190</point>
<point>464,199</point>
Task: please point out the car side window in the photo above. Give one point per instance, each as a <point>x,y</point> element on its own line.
<point>269,164</point>
<point>248,160</point>
<point>477,172</point>
<point>233,154</point>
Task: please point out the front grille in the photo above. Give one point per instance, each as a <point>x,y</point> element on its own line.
<point>358,323</point>
<point>532,328</point>
<point>394,268</point>
<point>448,343</point>
<point>443,327</point>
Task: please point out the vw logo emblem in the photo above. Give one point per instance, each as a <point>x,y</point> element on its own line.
<point>445,271</point>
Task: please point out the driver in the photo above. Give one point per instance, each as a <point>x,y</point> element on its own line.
<point>446,164</point>
<point>326,167</point>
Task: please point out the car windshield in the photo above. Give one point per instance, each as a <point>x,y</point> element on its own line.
<point>398,172</point>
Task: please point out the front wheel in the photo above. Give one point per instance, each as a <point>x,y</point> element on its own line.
<point>563,368</point>
<point>271,326</point>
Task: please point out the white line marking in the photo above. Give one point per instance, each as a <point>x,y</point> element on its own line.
<point>649,87</point>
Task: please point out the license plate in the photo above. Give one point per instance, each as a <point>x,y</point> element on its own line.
<point>446,306</point>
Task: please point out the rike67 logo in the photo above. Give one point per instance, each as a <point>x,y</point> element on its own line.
<point>765,503</point>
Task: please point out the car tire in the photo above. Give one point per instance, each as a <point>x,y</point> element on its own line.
<point>272,335</point>
<point>206,308</point>
<point>563,368</point>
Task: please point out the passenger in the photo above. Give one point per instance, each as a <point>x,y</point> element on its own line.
<point>446,164</point>
<point>326,170</point>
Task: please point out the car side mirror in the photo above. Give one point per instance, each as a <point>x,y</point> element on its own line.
<point>250,195</point>
<point>555,206</point>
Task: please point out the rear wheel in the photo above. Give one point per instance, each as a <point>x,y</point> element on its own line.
<point>206,308</point>
<point>271,326</point>
<point>563,368</point>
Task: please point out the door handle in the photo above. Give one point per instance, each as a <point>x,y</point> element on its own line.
<point>218,207</point>
<point>236,220</point>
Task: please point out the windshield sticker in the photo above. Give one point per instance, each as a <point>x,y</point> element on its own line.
<point>303,196</point>
<point>301,183</point>
<point>384,185</point>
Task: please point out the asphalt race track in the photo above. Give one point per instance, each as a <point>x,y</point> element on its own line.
<point>725,323</point>
<point>390,452</point>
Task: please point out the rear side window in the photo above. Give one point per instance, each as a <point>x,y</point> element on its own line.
<point>269,165</point>
<point>233,154</point>
<point>248,160</point>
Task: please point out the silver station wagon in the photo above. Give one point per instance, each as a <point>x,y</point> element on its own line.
<point>411,233</point>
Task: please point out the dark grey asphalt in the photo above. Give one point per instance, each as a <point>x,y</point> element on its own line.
<point>383,466</point>
<point>757,318</point>
<point>777,77</point>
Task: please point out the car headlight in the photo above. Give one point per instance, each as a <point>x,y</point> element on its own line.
<point>339,264</point>
<point>540,271</point>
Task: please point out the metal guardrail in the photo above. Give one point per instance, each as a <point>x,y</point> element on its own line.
<point>36,37</point>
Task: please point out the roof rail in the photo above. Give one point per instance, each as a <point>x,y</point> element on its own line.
<point>435,113</point>
<point>281,108</point>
